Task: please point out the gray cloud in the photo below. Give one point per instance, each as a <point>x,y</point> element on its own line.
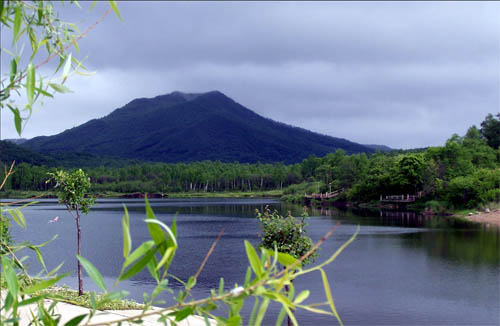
<point>401,74</point>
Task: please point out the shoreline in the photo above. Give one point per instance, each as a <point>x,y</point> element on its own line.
<point>488,219</point>
<point>491,218</point>
<point>25,194</point>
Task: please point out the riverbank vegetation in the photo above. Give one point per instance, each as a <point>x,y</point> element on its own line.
<point>464,173</point>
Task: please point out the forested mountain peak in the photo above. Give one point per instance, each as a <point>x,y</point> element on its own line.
<point>192,127</point>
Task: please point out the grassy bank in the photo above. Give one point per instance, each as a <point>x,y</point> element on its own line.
<point>249,194</point>
<point>492,206</point>
<point>488,214</point>
<point>65,294</point>
<point>23,194</point>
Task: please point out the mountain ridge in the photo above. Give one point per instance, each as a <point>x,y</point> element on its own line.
<point>190,127</point>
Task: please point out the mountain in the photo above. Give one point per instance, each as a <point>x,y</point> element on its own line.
<point>192,127</point>
<point>11,152</point>
<point>382,148</point>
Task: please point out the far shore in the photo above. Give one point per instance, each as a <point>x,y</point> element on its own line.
<point>491,218</point>
<point>26,194</point>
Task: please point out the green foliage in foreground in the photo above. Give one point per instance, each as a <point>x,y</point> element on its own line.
<point>38,24</point>
<point>4,233</point>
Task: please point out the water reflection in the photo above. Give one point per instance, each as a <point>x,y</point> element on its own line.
<point>454,240</point>
<point>402,269</point>
<point>471,247</point>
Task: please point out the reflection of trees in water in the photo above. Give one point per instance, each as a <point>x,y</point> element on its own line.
<point>411,219</point>
<point>235,210</point>
<point>375,216</point>
<point>224,210</point>
<point>450,239</point>
<point>406,219</point>
<point>475,247</point>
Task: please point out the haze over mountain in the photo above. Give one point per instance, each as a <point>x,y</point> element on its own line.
<point>17,141</point>
<point>382,148</point>
<point>192,127</point>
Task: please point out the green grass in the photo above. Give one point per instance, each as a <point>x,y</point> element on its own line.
<point>65,294</point>
<point>228,194</point>
<point>23,194</point>
<point>461,216</point>
<point>465,212</point>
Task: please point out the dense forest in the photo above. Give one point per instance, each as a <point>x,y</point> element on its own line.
<point>465,172</point>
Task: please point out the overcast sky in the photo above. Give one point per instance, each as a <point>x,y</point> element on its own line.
<point>402,74</point>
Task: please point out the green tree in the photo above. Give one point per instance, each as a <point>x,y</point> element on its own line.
<point>408,172</point>
<point>324,173</point>
<point>71,191</point>
<point>454,158</point>
<point>490,129</point>
<point>309,165</point>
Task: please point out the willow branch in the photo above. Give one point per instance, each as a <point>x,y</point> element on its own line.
<point>209,253</point>
<point>59,52</point>
<point>21,201</point>
<point>7,174</point>
<point>18,263</point>
<point>311,251</point>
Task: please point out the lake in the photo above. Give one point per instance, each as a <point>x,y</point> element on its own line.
<point>402,269</point>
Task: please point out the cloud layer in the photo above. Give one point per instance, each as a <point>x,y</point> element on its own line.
<point>400,74</point>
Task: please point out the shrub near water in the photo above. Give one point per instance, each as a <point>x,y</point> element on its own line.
<point>286,234</point>
<point>437,207</point>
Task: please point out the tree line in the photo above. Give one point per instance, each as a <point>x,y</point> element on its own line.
<point>463,172</point>
<point>205,176</point>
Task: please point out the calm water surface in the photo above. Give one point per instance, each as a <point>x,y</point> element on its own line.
<point>401,270</point>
